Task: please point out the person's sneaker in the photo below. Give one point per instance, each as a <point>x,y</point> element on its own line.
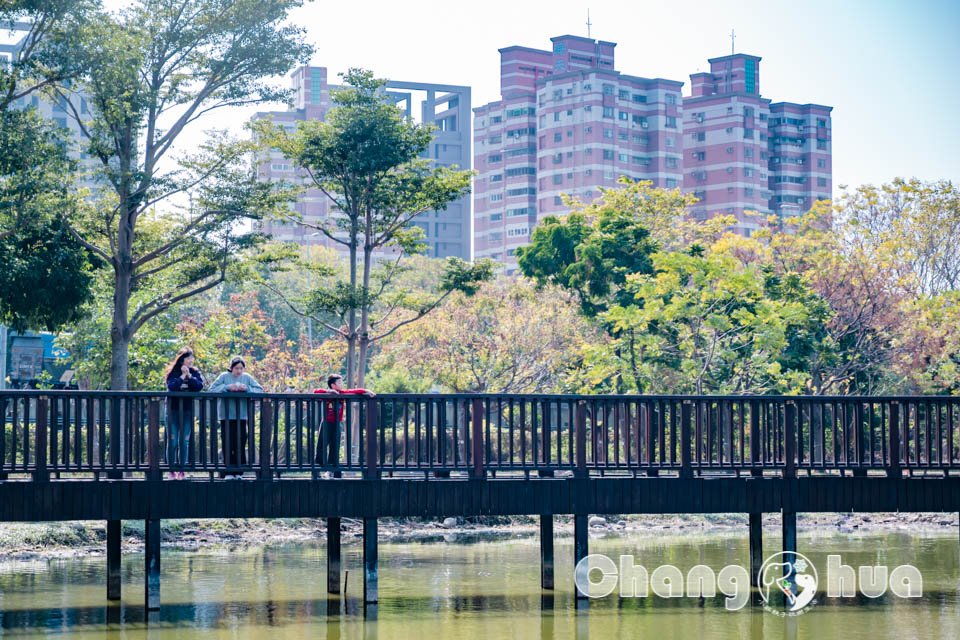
<point>327,475</point>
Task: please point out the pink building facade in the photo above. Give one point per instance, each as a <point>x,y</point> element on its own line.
<point>567,123</point>
<point>743,152</point>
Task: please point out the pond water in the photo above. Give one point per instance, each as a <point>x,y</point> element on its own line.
<point>463,587</point>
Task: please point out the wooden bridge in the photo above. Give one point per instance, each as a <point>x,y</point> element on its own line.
<point>102,456</point>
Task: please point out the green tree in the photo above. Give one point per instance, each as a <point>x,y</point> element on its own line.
<point>366,159</point>
<point>45,272</point>
<point>704,321</point>
<point>152,70</point>
<point>594,249</point>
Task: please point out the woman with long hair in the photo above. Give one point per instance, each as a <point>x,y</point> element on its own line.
<point>181,377</point>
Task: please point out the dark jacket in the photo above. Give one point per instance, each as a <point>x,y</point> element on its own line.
<point>176,384</point>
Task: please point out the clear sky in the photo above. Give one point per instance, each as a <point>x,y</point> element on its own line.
<point>887,68</point>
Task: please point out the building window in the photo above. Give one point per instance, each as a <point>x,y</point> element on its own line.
<point>748,172</point>
<point>608,154</point>
<point>700,156</point>
<point>639,98</point>
<point>821,123</point>
<point>748,134</point>
<point>821,163</point>
<point>701,136</point>
<point>622,157</point>
<point>557,201</point>
<point>558,178</point>
<point>729,169</point>
<point>641,139</point>
<point>669,141</point>
<point>496,119</point>
<point>729,129</point>
<point>671,183</point>
<point>496,177</point>
<point>569,133</point>
<point>821,144</point>
<point>821,182</point>
<point>748,153</point>
<point>494,217</point>
<point>608,89</point>
<point>623,135</point>
<point>608,112</point>
<point>587,87</point>
<point>494,139</point>
<point>729,149</point>
<point>671,122</point>
<point>495,158</point>
<point>624,115</point>
<point>623,94</point>
<point>556,116</point>
<point>671,162</point>
<point>748,192</point>
<point>557,137</point>
<point>496,197</point>
<point>671,98</point>
<point>608,133</point>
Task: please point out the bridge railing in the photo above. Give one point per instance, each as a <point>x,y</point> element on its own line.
<point>131,434</point>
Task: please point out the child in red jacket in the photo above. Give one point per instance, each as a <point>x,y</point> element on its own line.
<point>329,449</point>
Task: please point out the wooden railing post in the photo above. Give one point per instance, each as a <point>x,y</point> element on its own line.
<point>370,470</point>
<point>790,439</point>
<point>580,438</point>
<point>893,446</point>
<point>153,440</point>
<point>686,416</point>
<point>116,429</point>
<point>476,435</point>
<point>755,438</point>
<point>40,452</point>
<point>266,436</point>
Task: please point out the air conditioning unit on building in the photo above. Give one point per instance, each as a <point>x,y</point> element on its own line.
<point>644,125</point>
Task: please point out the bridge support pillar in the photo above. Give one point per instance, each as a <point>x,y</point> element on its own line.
<point>756,547</point>
<point>152,565</point>
<point>546,552</point>
<point>789,541</point>
<point>369,560</point>
<point>113,560</point>
<point>333,555</point>
<point>580,546</point>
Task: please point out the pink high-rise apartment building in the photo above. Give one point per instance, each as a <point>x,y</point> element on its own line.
<point>446,107</point>
<point>743,152</point>
<point>567,123</point>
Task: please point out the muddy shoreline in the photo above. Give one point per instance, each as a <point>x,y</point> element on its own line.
<point>79,539</point>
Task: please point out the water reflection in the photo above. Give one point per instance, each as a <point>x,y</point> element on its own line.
<point>484,588</point>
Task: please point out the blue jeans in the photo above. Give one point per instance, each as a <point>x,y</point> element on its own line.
<point>179,427</point>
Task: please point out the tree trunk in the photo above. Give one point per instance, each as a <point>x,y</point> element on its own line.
<point>352,315</point>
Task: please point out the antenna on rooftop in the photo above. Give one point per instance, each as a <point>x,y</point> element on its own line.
<point>733,37</point>
<point>588,23</point>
